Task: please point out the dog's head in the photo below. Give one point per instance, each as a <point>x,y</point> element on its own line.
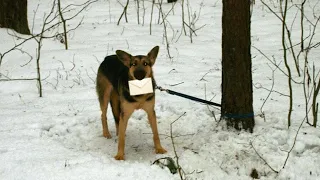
<point>140,67</point>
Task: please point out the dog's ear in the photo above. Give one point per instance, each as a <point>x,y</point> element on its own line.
<point>152,55</point>
<point>124,57</point>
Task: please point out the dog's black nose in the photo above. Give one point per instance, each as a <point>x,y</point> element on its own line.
<point>139,74</point>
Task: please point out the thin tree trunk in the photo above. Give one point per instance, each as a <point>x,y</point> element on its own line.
<point>64,26</point>
<point>13,15</point>
<point>237,98</point>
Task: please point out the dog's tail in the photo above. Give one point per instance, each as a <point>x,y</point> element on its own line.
<point>100,86</point>
<point>115,105</point>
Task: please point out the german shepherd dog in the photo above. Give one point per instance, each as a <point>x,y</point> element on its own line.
<point>112,86</point>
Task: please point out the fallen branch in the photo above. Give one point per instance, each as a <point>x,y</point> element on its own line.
<point>251,144</point>
<point>288,153</point>
<point>181,174</point>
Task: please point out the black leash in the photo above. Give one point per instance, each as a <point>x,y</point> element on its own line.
<point>188,97</point>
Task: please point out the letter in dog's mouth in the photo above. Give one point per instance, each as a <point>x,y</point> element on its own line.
<point>139,74</point>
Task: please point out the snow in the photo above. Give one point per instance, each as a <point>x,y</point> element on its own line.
<point>59,136</point>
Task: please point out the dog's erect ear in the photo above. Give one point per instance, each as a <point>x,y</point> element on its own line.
<point>124,57</point>
<point>152,55</point>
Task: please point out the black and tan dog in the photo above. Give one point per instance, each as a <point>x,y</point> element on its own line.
<point>112,86</point>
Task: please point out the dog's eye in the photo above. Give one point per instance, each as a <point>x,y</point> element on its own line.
<point>133,64</point>
<point>145,64</point>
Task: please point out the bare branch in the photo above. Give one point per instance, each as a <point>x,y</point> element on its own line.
<point>251,144</point>
<point>124,12</point>
<point>174,147</point>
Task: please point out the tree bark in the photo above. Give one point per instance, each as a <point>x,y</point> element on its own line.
<point>237,98</point>
<point>13,15</point>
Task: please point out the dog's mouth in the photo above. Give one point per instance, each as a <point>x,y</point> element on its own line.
<point>139,74</point>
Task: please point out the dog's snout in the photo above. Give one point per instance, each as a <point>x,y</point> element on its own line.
<point>139,74</point>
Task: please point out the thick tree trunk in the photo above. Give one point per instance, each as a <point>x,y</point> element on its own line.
<point>13,15</point>
<point>237,98</point>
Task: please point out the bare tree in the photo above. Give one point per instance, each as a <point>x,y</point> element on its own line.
<point>13,15</point>
<point>48,24</point>
<point>124,12</point>
<point>64,25</point>
<point>291,53</point>
<point>237,97</point>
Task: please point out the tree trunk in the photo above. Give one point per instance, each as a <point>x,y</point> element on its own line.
<point>13,15</point>
<point>237,98</point>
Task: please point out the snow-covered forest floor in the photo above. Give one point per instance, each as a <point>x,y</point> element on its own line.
<point>59,136</point>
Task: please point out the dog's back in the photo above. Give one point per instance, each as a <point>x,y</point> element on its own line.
<point>114,70</point>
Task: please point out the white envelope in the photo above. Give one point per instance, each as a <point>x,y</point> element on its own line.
<point>137,87</point>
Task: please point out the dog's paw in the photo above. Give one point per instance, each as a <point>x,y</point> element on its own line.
<point>160,150</point>
<point>107,135</point>
<point>119,157</point>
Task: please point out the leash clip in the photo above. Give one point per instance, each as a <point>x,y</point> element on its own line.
<point>160,88</point>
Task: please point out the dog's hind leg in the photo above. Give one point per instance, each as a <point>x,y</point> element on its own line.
<point>104,88</point>
<point>115,105</point>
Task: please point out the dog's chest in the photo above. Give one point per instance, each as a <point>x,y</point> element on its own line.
<point>139,105</point>
<point>141,101</point>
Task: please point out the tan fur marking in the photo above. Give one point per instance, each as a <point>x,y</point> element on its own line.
<point>149,108</point>
<point>127,110</point>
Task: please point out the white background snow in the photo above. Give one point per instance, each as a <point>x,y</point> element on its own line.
<point>59,136</point>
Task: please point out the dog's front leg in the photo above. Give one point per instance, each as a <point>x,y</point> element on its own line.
<point>123,122</point>
<point>153,123</point>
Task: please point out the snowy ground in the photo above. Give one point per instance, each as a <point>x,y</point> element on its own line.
<point>59,136</point>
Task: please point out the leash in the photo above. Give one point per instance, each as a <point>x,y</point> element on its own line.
<point>187,96</point>
<point>229,115</point>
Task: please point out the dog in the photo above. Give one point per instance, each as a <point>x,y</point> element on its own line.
<point>112,86</point>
